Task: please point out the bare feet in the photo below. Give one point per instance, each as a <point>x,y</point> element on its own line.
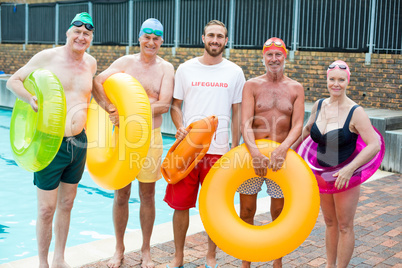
<point>245,264</point>
<point>176,263</point>
<point>211,261</point>
<point>61,264</point>
<point>146,259</point>
<point>116,260</point>
<point>43,265</point>
<point>278,263</point>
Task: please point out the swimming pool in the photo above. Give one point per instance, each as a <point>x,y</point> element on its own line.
<point>91,217</point>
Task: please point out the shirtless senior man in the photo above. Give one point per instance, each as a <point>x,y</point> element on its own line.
<point>272,108</point>
<point>57,183</point>
<point>157,77</point>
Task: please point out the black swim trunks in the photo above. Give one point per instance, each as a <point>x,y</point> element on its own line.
<point>67,166</point>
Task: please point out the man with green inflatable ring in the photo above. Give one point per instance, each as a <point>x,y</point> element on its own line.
<point>57,183</point>
<point>35,137</point>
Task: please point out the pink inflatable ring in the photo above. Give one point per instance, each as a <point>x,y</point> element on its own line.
<point>326,182</point>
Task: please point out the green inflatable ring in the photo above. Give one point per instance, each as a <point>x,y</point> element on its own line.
<point>36,137</point>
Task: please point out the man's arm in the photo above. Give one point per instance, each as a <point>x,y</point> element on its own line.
<point>279,154</point>
<point>15,82</point>
<point>260,161</point>
<point>98,91</point>
<point>162,105</point>
<point>297,119</point>
<point>236,116</point>
<point>177,118</point>
<point>247,118</point>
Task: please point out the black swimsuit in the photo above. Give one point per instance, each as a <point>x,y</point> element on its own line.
<point>335,146</point>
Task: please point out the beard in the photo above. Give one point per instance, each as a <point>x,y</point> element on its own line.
<point>214,52</point>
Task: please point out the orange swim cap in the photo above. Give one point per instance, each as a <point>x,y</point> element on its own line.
<point>275,43</point>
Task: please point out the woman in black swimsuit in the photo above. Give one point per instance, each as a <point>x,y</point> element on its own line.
<point>335,124</point>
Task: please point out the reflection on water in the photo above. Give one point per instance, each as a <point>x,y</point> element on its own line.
<point>9,162</point>
<point>3,231</point>
<point>99,191</point>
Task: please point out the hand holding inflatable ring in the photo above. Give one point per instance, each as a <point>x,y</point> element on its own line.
<point>324,175</point>
<point>35,137</point>
<point>185,153</point>
<point>115,155</point>
<point>259,243</point>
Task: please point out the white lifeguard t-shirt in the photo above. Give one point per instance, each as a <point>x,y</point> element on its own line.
<point>210,90</point>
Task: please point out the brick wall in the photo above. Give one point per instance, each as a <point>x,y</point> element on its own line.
<point>378,85</point>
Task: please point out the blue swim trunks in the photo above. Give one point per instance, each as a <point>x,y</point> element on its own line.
<point>253,186</point>
<point>67,166</point>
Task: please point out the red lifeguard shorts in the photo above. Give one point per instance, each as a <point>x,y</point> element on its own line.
<point>183,195</point>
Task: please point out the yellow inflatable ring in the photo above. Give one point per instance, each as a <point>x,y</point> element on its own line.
<point>115,155</point>
<point>259,243</point>
<point>36,137</point>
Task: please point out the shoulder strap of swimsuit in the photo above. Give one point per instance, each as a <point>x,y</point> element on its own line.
<point>318,108</point>
<point>347,122</point>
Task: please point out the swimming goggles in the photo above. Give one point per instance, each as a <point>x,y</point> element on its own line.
<point>152,31</point>
<point>276,43</point>
<point>78,23</point>
<point>341,66</point>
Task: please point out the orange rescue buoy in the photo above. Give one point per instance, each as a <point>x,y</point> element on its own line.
<point>185,154</point>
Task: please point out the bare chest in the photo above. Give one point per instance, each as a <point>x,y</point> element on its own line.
<point>150,79</point>
<point>77,88</point>
<point>75,79</point>
<point>273,101</point>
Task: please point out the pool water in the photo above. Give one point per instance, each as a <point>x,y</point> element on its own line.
<point>91,217</point>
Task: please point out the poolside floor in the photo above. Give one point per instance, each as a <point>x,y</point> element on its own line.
<point>378,227</point>
<point>378,231</point>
